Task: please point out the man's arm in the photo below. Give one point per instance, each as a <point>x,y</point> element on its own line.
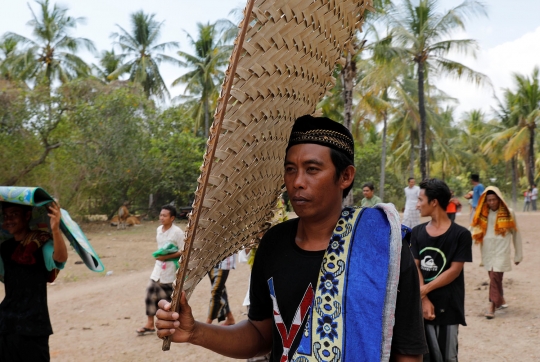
<point>445,278</point>
<point>428,309</point>
<point>60,254</point>
<point>242,340</point>
<point>406,358</point>
<point>169,256</point>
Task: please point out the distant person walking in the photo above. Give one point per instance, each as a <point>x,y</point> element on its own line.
<point>478,189</point>
<point>170,242</point>
<point>495,229</point>
<point>534,197</point>
<point>527,199</point>
<point>370,199</point>
<point>219,301</point>
<point>454,206</point>
<point>411,216</point>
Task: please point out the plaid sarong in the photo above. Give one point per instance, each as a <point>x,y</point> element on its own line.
<point>411,217</point>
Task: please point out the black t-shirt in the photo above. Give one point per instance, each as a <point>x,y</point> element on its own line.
<point>293,270</point>
<point>24,308</point>
<point>436,255</point>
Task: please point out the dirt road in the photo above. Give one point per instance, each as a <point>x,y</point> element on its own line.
<point>94,316</point>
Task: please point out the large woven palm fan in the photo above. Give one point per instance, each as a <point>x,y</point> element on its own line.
<point>280,68</point>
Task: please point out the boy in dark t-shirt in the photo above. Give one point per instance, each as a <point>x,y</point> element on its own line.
<point>440,248</point>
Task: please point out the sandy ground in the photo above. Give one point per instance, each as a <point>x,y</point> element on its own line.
<point>94,316</point>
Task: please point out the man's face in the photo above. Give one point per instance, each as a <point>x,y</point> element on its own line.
<point>310,181</point>
<point>165,218</point>
<point>411,182</point>
<point>493,202</point>
<point>368,193</point>
<point>423,205</point>
<point>15,219</point>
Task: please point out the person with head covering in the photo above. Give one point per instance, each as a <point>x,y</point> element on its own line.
<point>28,260</point>
<point>495,229</point>
<point>333,284</point>
<point>441,248</point>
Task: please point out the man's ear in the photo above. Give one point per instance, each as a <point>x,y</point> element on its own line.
<point>347,176</point>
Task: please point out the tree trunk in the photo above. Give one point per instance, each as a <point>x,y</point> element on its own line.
<point>514,183</point>
<point>422,110</point>
<point>411,162</point>
<point>530,158</point>
<point>348,74</point>
<point>383,158</point>
<point>206,118</point>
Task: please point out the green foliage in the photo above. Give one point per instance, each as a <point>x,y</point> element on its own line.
<point>141,48</point>
<point>180,155</point>
<point>367,159</point>
<point>206,70</point>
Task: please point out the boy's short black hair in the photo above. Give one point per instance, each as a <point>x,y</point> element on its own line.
<point>410,178</point>
<point>172,209</point>
<point>369,185</point>
<point>475,177</point>
<point>436,189</point>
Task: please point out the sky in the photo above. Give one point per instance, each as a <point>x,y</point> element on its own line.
<point>509,37</point>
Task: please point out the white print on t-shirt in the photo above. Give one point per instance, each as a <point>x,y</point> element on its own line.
<point>428,264</point>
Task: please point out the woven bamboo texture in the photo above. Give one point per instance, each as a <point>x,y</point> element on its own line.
<point>281,67</point>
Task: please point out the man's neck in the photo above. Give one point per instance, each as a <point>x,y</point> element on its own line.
<point>21,235</point>
<point>314,235</point>
<point>439,224</point>
<point>166,227</point>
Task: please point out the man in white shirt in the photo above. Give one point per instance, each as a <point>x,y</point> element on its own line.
<point>411,216</point>
<point>495,229</point>
<point>170,238</point>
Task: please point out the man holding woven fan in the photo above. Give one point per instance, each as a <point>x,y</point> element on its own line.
<point>333,284</point>
<point>495,229</point>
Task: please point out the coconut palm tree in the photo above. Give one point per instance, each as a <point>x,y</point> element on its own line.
<point>109,62</point>
<point>495,145</point>
<point>11,68</point>
<point>523,107</point>
<point>206,68</point>
<point>52,48</point>
<point>144,54</point>
<point>426,35</point>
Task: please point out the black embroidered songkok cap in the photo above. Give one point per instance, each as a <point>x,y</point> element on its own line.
<point>322,131</point>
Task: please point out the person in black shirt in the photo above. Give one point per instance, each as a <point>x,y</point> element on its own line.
<point>27,262</point>
<point>440,248</point>
<point>319,173</point>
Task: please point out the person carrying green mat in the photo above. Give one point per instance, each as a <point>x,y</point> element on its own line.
<point>170,242</point>
<point>28,260</point>
<point>32,252</point>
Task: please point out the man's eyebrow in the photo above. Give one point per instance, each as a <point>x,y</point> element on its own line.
<point>313,161</point>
